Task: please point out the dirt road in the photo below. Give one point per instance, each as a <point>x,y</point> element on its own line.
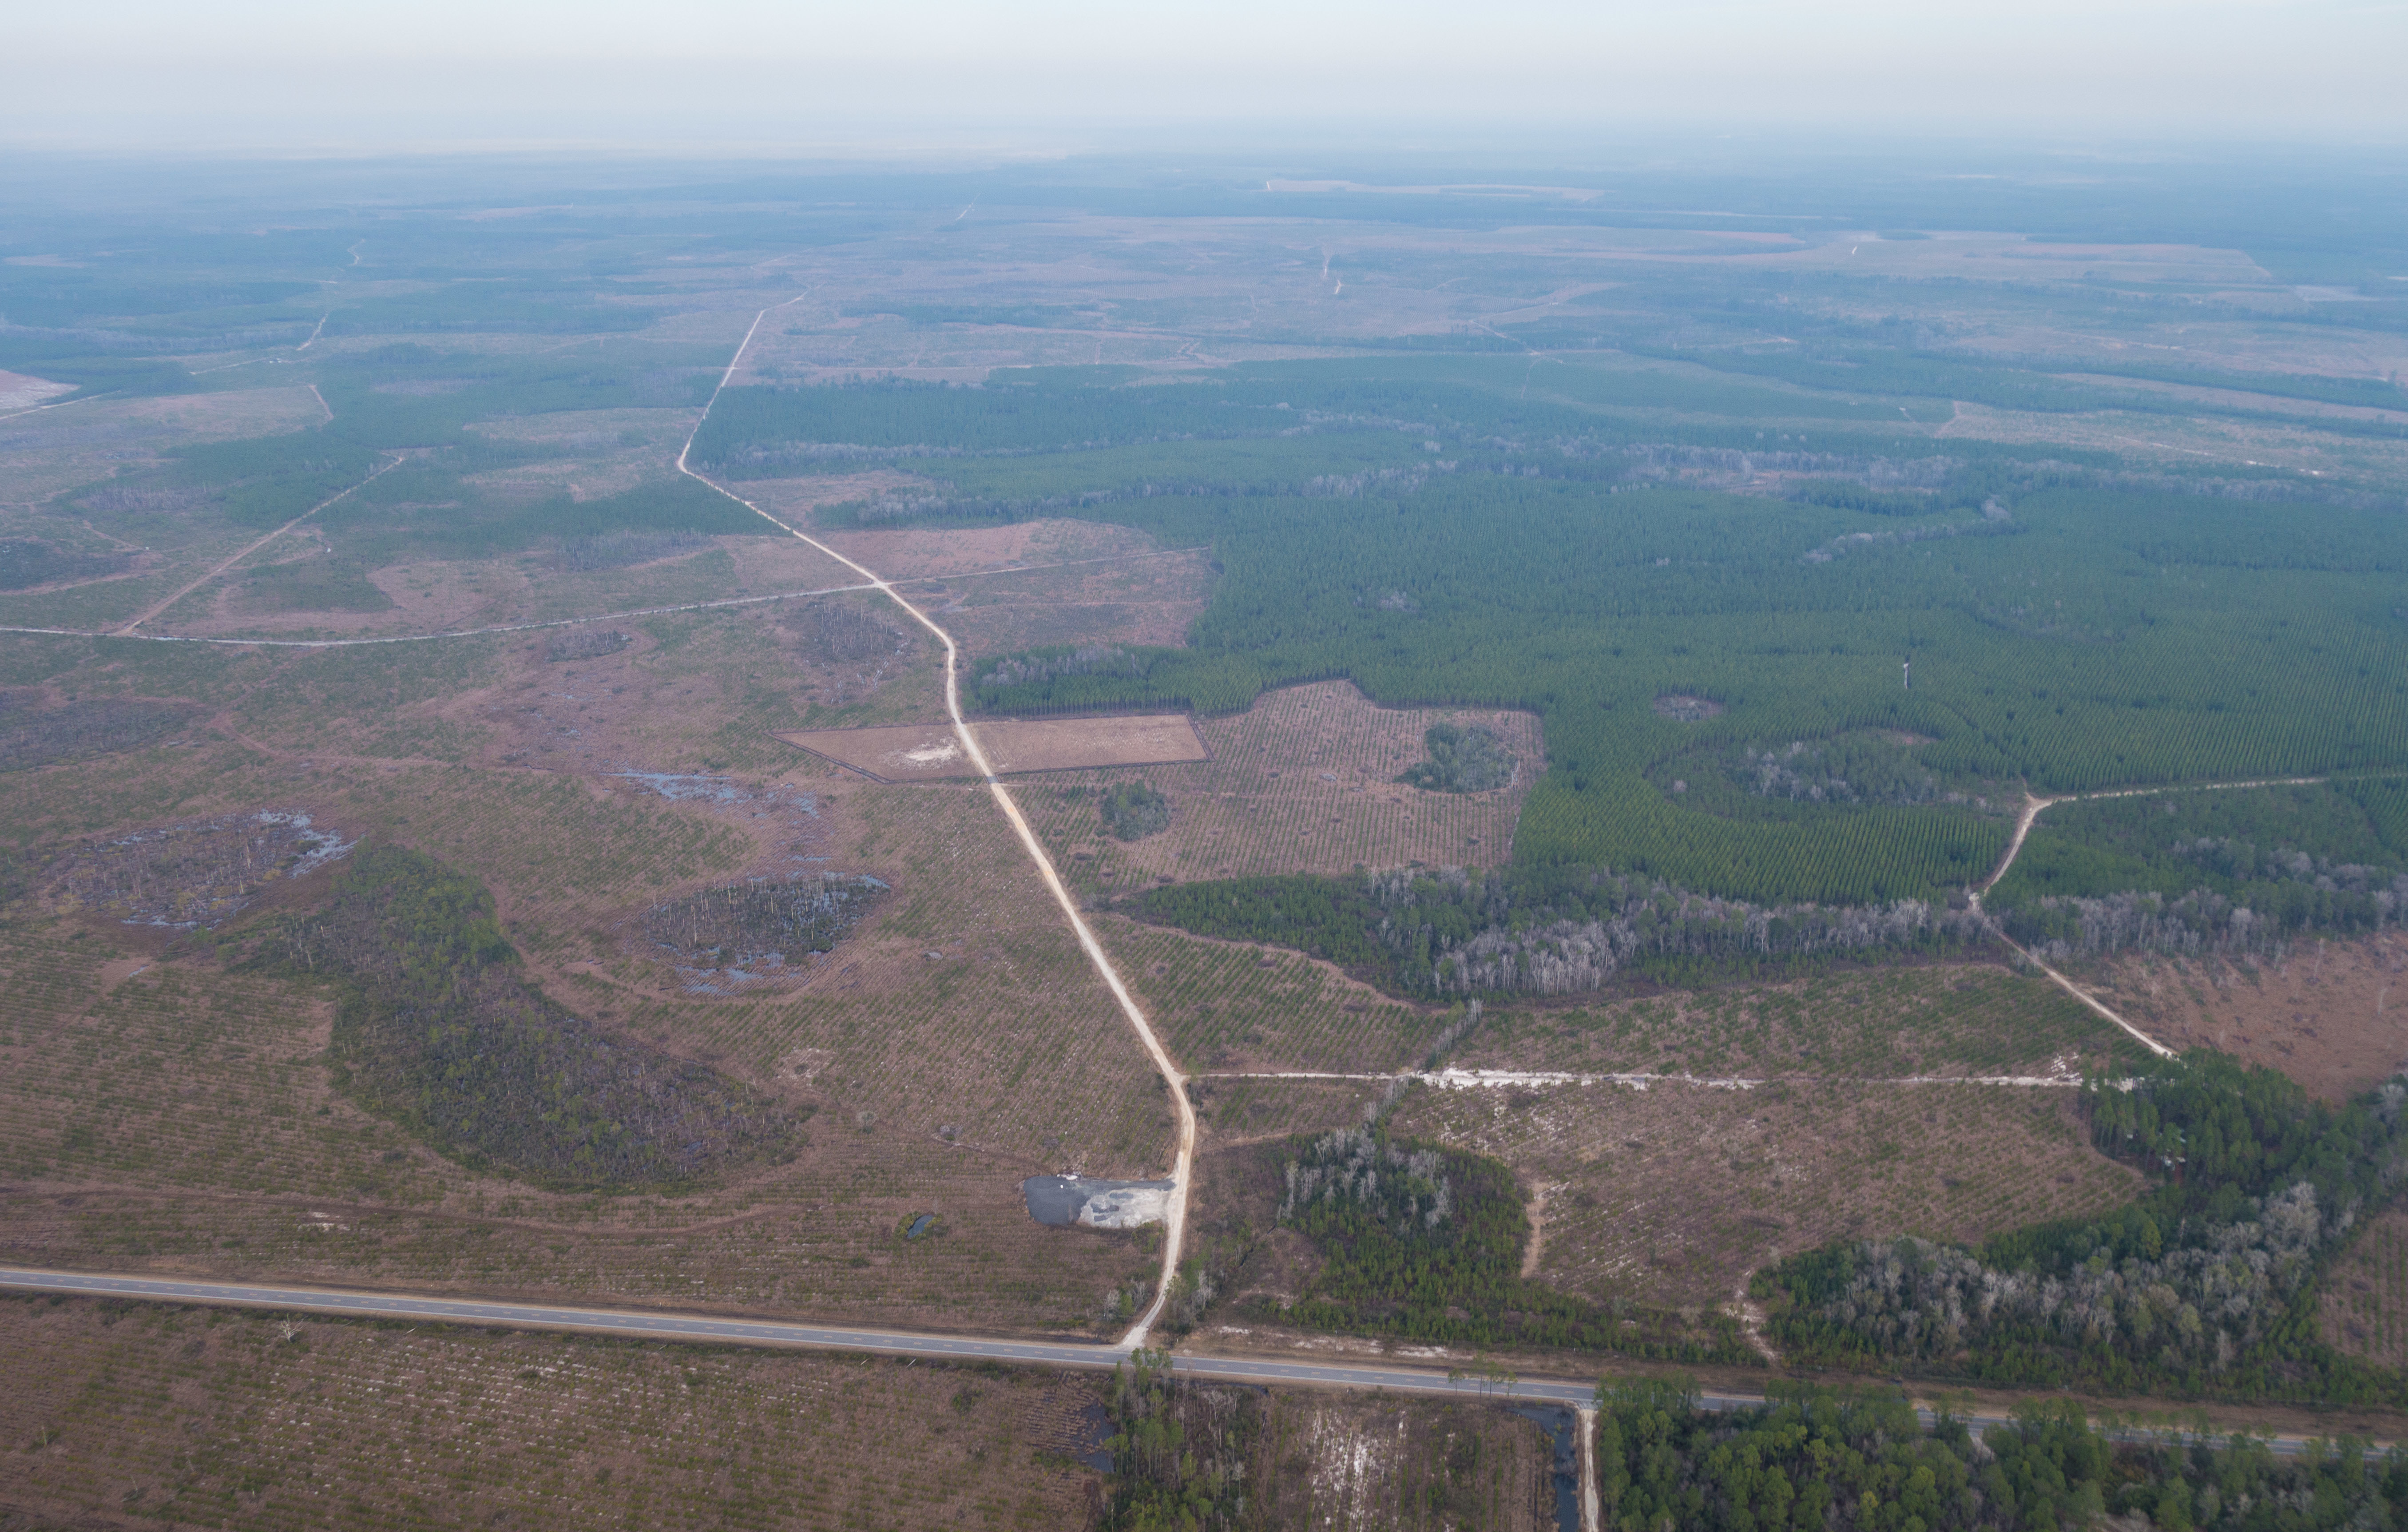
<point>1175,1217</point>
<point>2033,806</point>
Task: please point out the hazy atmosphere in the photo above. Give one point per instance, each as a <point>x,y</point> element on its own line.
<point>1240,769</point>
<point>1052,75</point>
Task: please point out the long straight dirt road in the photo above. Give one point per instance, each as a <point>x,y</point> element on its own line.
<point>1175,1215</point>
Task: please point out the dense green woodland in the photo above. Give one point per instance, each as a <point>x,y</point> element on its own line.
<point>1824,1461</point>
<point>2065,631</point>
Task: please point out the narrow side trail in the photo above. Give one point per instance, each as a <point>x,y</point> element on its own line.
<point>155,609</point>
<point>1175,1218</point>
<point>2033,806</point>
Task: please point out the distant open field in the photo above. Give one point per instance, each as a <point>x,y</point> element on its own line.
<point>1301,781</point>
<point>932,751</point>
<point>1867,1023</point>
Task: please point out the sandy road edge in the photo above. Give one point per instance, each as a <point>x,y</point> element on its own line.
<point>1175,1216</point>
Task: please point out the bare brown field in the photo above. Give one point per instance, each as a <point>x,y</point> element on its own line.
<point>1249,1108</point>
<point>189,1418</point>
<point>917,553</point>
<point>1869,1023</point>
<point>1125,598</point>
<point>2362,1305</point>
<point>1671,1196</point>
<point>2324,1016</point>
<point>1301,781</point>
<point>698,691</point>
<point>932,751</point>
<point>436,596</point>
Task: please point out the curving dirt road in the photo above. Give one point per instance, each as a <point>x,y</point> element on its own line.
<point>2033,806</point>
<point>1175,1216</point>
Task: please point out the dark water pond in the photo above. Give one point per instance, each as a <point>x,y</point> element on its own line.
<point>1055,1201</point>
<point>1563,1426</point>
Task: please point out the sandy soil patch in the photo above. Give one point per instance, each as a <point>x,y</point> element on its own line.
<point>1672,1194</point>
<point>914,753</point>
<point>24,390</point>
<point>2332,1015</point>
<point>792,500</point>
<point>1302,782</point>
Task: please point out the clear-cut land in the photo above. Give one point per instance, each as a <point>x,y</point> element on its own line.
<point>914,753</point>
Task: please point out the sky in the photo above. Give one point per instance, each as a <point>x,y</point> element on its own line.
<point>1074,76</point>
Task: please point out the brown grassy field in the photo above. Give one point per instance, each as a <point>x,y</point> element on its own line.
<point>1229,1005</point>
<point>1867,1023</point>
<point>2362,1306</point>
<point>955,1045</point>
<point>1672,1194</point>
<point>913,753</point>
<point>1301,781</point>
<point>147,1416</point>
<point>1126,598</point>
<point>2324,1016</point>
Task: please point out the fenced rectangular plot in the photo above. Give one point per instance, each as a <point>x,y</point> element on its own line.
<point>912,752</point>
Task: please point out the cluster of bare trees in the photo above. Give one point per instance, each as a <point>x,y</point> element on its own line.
<point>1566,955</point>
<point>1345,1165</point>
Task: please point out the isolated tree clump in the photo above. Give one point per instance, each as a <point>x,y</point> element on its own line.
<point>585,644</point>
<point>25,563</point>
<point>437,1027</point>
<point>1421,1240</point>
<point>842,632</point>
<point>620,550</point>
<point>1133,810</point>
<point>31,736</point>
<point>1461,759</point>
<point>197,873</point>
<point>764,919</point>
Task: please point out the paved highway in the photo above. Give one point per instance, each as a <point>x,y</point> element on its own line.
<point>651,1325</point>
